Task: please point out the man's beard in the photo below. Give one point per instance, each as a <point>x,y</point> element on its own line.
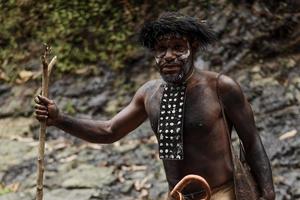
<point>179,77</point>
<point>174,78</point>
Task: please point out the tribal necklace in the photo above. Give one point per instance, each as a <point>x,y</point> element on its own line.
<point>171,118</point>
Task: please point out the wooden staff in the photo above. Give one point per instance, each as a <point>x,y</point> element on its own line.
<point>41,154</point>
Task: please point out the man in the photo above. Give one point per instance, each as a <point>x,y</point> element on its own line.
<point>184,112</point>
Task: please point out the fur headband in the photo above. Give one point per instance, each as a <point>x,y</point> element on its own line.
<point>176,23</point>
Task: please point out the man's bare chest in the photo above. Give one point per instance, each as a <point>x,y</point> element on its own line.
<point>201,110</point>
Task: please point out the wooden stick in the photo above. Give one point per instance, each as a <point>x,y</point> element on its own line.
<point>42,136</point>
<point>50,67</point>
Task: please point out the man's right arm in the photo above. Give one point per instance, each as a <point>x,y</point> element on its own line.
<point>92,130</point>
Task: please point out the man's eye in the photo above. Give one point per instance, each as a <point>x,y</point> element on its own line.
<point>179,48</point>
<point>161,49</point>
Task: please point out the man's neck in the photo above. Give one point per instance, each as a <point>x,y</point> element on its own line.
<point>187,78</point>
<point>189,75</point>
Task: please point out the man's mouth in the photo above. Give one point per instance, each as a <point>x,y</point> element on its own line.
<point>170,69</point>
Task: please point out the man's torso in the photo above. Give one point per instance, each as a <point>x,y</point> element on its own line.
<point>205,142</point>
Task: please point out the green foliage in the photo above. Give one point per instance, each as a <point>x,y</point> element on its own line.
<point>4,190</point>
<point>79,32</point>
<point>69,108</point>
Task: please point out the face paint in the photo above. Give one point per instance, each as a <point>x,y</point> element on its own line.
<point>157,60</point>
<point>185,56</point>
<point>173,58</point>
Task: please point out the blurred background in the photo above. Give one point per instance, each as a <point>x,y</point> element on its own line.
<point>100,66</point>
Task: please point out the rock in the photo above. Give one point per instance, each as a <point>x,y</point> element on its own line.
<point>158,190</point>
<point>296,190</point>
<point>14,153</point>
<point>16,196</point>
<point>79,86</point>
<point>19,102</point>
<point>92,156</point>
<point>86,176</point>
<point>136,175</point>
<point>16,127</point>
<point>112,106</point>
<point>97,84</point>
<point>144,131</point>
<point>33,64</point>
<point>103,194</point>
<point>96,103</point>
<point>23,174</point>
<point>124,148</point>
<point>4,88</point>
<point>28,181</point>
<point>127,186</point>
<point>64,194</point>
<point>24,76</point>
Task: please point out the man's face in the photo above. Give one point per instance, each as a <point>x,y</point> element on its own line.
<point>173,58</point>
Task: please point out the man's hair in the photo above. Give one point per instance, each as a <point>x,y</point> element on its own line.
<point>176,23</point>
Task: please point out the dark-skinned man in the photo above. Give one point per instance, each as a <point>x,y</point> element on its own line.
<point>184,111</point>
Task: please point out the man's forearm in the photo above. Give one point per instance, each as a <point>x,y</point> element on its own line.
<point>86,129</point>
<point>260,166</point>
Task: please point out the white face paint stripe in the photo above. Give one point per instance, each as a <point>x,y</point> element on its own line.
<point>182,57</point>
<point>157,60</point>
<point>187,54</point>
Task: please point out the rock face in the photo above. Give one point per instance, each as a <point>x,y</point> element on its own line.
<point>258,46</point>
<point>86,176</point>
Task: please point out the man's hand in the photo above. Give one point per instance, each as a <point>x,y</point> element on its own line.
<point>46,109</point>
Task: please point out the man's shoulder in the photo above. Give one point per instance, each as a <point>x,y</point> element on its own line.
<point>224,81</point>
<point>226,86</point>
<point>150,85</point>
<point>228,89</point>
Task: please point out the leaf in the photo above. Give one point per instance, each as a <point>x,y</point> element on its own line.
<point>288,134</point>
<point>3,76</point>
<point>24,76</point>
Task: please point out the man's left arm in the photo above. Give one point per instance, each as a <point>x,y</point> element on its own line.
<point>240,114</point>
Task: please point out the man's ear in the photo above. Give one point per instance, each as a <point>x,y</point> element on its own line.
<point>194,46</point>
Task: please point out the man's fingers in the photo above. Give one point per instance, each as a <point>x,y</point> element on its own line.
<point>44,100</point>
<point>36,99</point>
<point>41,117</point>
<point>41,112</point>
<point>40,107</point>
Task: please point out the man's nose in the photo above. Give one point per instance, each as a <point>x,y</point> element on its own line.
<point>169,55</point>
